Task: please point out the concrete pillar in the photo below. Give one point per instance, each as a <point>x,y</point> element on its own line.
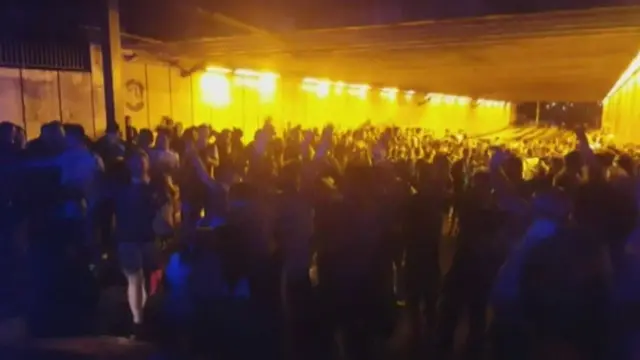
<point>111,64</point>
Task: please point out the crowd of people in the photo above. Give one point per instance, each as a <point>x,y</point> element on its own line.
<point>312,243</point>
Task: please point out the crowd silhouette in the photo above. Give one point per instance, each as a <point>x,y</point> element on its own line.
<point>318,243</point>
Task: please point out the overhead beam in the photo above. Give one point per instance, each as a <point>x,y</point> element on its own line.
<point>599,19</point>
<point>572,55</point>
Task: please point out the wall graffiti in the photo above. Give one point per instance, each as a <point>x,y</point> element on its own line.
<point>135,99</point>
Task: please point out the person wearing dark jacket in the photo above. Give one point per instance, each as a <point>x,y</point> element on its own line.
<point>136,208</point>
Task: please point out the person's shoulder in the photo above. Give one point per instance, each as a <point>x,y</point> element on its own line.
<point>560,174</point>
<point>93,159</point>
<point>96,156</point>
<point>540,265</point>
<point>171,156</point>
<point>557,248</point>
<point>562,177</point>
<point>212,149</point>
<point>175,268</point>
<point>151,152</point>
<point>34,144</point>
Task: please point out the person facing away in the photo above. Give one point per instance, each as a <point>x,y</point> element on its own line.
<point>566,281</point>
<point>294,217</point>
<point>358,277</point>
<point>549,213</point>
<point>136,207</point>
<point>294,225</point>
<point>424,217</point>
<point>163,158</point>
<point>468,282</point>
<point>145,139</point>
<point>194,183</point>
<point>49,143</point>
<point>570,177</point>
<point>81,172</point>
<point>110,147</point>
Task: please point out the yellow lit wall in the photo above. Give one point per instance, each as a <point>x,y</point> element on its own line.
<point>621,107</point>
<point>489,116</point>
<point>474,116</point>
<point>244,98</point>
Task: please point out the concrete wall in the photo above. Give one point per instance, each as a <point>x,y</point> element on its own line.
<point>152,90</point>
<point>621,107</point>
<point>30,98</point>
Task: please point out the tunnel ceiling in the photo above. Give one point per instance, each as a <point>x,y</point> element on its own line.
<point>559,56</point>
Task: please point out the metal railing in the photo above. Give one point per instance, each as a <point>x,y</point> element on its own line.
<point>49,55</point>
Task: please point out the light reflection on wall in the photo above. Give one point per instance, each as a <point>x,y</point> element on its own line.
<point>390,94</point>
<point>244,98</point>
<point>622,104</point>
<point>216,87</point>
<point>475,116</point>
<point>408,95</point>
<point>266,83</point>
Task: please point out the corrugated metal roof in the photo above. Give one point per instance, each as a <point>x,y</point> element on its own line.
<point>569,56</point>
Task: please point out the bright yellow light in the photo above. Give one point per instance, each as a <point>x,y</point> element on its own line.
<point>389,93</point>
<point>321,88</point>
<point>358,90</point>
<point>309,84</point>
<point>448,99</point>
<point>245,81</point>
<point>217,69</point>
<point>216,89</point>
<point>267,86</point>
<point>408,95</point>
<point>339,87</point>
<point>265,82</point>
<point>247,72</point>
<point>628,73</point>
<point>435,98</point>
<point>492,103</point>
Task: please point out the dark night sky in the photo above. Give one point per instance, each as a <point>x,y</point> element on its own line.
<point>175,19</point>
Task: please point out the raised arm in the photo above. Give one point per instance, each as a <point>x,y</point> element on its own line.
<point>588,156</point>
